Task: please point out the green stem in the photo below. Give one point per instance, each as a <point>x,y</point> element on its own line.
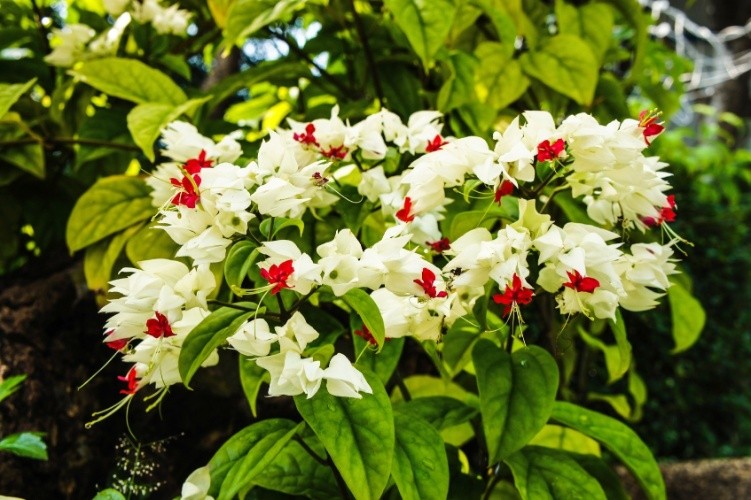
<point>369,59</point>
<point>310,451</point>
<point>339,479</point>
<point>230,305</point>
<point>70,140</point>
<point>293,47</point>
<point>402,386</point>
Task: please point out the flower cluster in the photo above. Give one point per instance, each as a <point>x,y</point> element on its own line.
<point>79,42</point>
<point>420,280</point>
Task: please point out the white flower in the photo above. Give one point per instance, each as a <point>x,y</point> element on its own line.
<point>69,44</point>
<point>373,184</point>
<point>305,273</point>
<point>296,333</point>
<point>253,338</point>
<point>344,380</point>
<point>182,142</point>
<point>196,486</point>
<point>292,374</point>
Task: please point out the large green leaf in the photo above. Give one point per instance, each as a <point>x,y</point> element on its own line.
<point>240,258</point>
<point>245,17</point>
<point>207,336</point>
<point>543,473</point>
<point>295,472</point>
<point>11,385</point>
<point>109,206</point>
<point>608,479</point>
<point>358,435</point>
<point>688,317</point>
<point>499,80</point>
<point>252,377</point>
<point>246,454</point>
<point>146,121</point>
<point>619,439</point>
<point>101,257</point>
<point>381,363</point>
<point>10,93</point>
<point>368,311</point>
<point>27,157</point>
<point>25,444</point>
<point>618,356</point>
<point>130,79</point>
<point>459,88</point>
<point>441,412</point>
<point>459,341</point>
<point>517,392</point>
<point>566,64</point>
<point>150,242</point>
<point>420,467</point>
<point>592,22</point>
<point>426,23</point>
<point>563,438</point>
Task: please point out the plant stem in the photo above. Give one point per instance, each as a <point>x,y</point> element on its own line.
<point>230,305</point>
<point>339,479</point>
<point>369,59</point>
<point>293,47</point>
<point>70,140</point>
<point>318,458</point>
<point>402,386</point>
<point>283,314</point>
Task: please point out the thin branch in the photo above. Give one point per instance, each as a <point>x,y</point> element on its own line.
<point>295,49</point>
<point>310,451</point>
<point>46,142</point>
<point>402,386</point>
<point>369,59</point>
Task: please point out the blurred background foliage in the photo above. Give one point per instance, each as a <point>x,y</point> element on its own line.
<point>481,62</point>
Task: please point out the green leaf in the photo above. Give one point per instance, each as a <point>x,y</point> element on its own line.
<point>279,223</point>
<point>209,334</point>
<point>592,22</point>
<point>29,158</point>
<point>563,438</point>
<point>459,341</point>
<point>631,11</point>
<point>246,454</point>
<point>517,393</point>
<point>109,494</point>
<point>146,121</point>
<point>10,93</point>
<point>618,402</point>
<point>543,473</point>
<point>381,363</point>
<point>499,80</point>
<point>688,317</point>
<point>109,206</point>
<point>471,219</point>
<point>608,479</point>
<point>426,23</point>
<point>459,88</point>
<point>620,440</point>
<point>252,377</point>
<point>441,412</point>
<point>424,386</point>
<point>566,64</point>
<point>240,259</point>
<point>420,466</point>
<point>25,444</point>
<point>10,385</point>
<point>358,435</point>
<point>617,357</point>
<point>245,17</point>
<point>368,311</point>
<point>150,242</point>
<point>129,79</point>
<point>295,472</point>
<point>101,257</point>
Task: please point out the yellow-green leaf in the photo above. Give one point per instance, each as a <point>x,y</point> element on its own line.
<point>109,206</point>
